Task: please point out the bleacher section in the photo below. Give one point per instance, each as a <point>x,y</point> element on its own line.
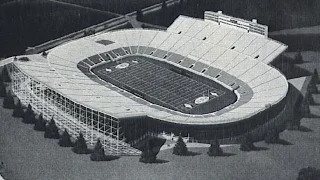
<point>229,55</point>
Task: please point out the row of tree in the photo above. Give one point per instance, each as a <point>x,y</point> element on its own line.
<point>180,148</point>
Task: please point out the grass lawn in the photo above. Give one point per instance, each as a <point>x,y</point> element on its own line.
<point>29,156</point>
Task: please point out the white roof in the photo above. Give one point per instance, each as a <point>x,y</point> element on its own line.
<point>59,70</point>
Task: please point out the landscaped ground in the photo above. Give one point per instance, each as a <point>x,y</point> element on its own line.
<point>29,156</point>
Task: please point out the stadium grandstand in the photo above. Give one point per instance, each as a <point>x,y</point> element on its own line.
<point>203,78</point>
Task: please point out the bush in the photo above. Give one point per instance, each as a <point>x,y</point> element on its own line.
<point>180,148</point>
<point>272,136</point>
<point>309,173</point>
<point>18,110</point>
<point>40,124</point>
<point>29,116</point>
<point>98,152</point>
<point>315,77</point>
<point>80,146</point>
<point>52,130</point>
<point>309,98</point>
<point>5,75</point>
<point>247,145</point>
<point>65,140</point>
<point>150,149</point>
<point>298,58</point>
<point>215,149</point>
<point>8,102</point>
<point>3,91</point>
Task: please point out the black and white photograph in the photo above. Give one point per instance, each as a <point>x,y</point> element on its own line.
<point>159,90</point>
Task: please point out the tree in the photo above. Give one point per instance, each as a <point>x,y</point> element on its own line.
<point>29,116</point>
<point>309,173</point>
<point>247,144</point>
<point>65,140</point>
<point>98,152</point>
<point>150,149</point>
<point>18,110</point>
<point>180,148</point>
<point>272,136</point>
<point>309,98</point>
<point>8,102</point>
<point>5,75</point>
<point>298,58</point>
<point>80,146</point>
<point>40,124</point>
<point>215,149</point>
<point>315,77</point>
<point>52,130</point>
<point>139,16</point>
<point>312,86</point>
<point>3,91</point>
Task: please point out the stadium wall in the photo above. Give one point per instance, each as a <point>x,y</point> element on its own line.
<point>70,115</point>
<point>274,117</point>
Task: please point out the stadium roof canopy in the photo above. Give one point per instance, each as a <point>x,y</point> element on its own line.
<point>232,50</point>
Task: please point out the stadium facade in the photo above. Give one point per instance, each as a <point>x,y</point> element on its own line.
<point>203,78</point>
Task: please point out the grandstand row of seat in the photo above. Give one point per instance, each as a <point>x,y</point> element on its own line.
<point>234,57</point>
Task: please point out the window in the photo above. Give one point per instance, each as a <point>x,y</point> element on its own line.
<point>165,56</point>
<point>203,70</point>
<point>204,38</point>
<point>151,53</point>
<point>232,84</point>
<point>191,66</point>
<point>217,76</point>
<point>118,54</point>
<point>180,61</point>
<point>233,47</point>
<point>179,32</point>
<point>127,52</point>
<point>256,57</point>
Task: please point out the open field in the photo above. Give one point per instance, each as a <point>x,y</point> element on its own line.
<point>277,15</point>
<point>28,23</point>
<point>117,6</point>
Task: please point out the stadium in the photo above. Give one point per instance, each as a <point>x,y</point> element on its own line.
<point>202,78</point>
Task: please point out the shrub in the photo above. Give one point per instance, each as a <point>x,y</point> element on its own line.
<point>65,140</point>
<point>309,173</point>
<point>8,102</point>
<point>40,124</point>
<point>215,149</point>
<point>80,146</point>
<point>5,74</point>
<point>315,77</point>
<point>3,91</point>
<point>52,130</point>
<point>150,149</point>
<point>29,116</point>
<point>180,148</point>
<point>298,58</point>
<point>272,136</point>
<point>247,144</point>
<point>312,87</point>
<point>18,110</point>
<point>98,152</point>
